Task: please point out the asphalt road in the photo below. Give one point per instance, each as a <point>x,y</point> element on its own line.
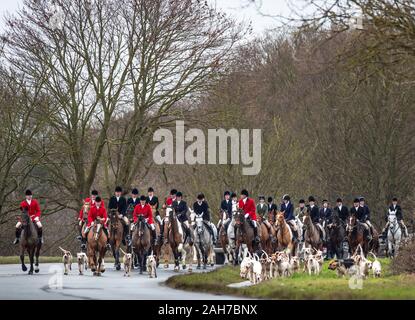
<point>51,284</point>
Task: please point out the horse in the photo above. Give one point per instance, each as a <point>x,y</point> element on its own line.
<point>177,240</point>
<point>284,235</point>
<point>394,234</point>
<point>158,245</point>
<point>97,245</point>
<point>116,232</point>
<point>336,232</point>
<point>266,236</point>
<point>244,233</point>
<point>141,242</point>
<point>29,242</point>
<point>356,235</point>
<point>203,240</point>
<point>227,244</point>
<point>312,238</point>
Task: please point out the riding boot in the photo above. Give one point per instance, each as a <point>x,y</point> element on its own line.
<point>108,238</point>
<point>257,239</point>
<point>189,234</point>
<point>18,232</point>
<point>126,239</point>
<point>39,235</point>
<point>161,235</point>
<point>154,237</point>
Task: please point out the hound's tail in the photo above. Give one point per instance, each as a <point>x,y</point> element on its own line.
<point>374,256</point>
<point>65,251</point>
<point>122,251</point>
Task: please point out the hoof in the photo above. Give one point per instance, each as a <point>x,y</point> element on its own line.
<point>166,266</point>
<point>30,272</point>
<point>94,270</point>
<point>24,268</point>
<point>204,267</point>
<point>184,267</point>
<point>212,265</point>
<point>190,270</point>
<point>141,271</point>
<point>198,267</point>
<point>81,274</point>
<point>37,270</point>
<point>118,268</point>
<point>98,274</point>
<point>65,273</point>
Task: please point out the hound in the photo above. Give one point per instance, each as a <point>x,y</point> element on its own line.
<point>82,262</point>
<point>266,266</point>
<point>245,265</point>
<point>312,265</point>
<point>67,261</point>
<point>152,265</point>
<point>376,267</point>
<point>341,266</point>
<point>361,263</point>
<point>295,264</point>
<point>307,252</point>
<point>256,270</point>
<point>127,261</point>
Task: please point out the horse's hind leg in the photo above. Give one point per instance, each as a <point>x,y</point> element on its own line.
<point>31,258</point>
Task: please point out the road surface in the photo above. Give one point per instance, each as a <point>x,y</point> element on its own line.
<point>51,284</point>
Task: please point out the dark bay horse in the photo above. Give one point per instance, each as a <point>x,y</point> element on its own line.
<point>141,242</point>
<point>356,235</point>
<point>312,238</point>
<point>336,231</point>
<point>97,246</point>
<point>244,234</point>
<point>29,242</point>
<point>116,232</point>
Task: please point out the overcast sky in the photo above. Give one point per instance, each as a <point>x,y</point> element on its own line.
<point>241,9</point>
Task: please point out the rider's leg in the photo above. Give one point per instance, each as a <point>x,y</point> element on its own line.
<point>18,232</point>
<point>108,238</point>
<point>384,230</point>
<point>83,244</point>
<point>369,230</point>
<point>153,234</point>
<point>39,230</point>
<point>126,228</point>
<point>215,232</point>
<point>80,225</point>
<point>188,231</point>
<point>404,228</point>
<point>255,225</point>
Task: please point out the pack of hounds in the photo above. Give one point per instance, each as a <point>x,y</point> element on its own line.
<point>128,258</point>
<point>257,268</point>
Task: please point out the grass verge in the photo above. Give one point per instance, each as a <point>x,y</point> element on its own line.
<point>326,286</point>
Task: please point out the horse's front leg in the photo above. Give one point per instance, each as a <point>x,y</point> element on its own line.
<point>32,259</point>
<point>24,268</point>
<point>37,258</point>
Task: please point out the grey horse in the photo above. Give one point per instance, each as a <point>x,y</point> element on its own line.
<point>202,239</point>
<point>394,234</point>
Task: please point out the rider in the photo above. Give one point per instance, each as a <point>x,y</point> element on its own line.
<point>315,216</point>
<point>272,208</point>
<point>325,213</point>
<point>33,209</point>
<point>97,210</point>
<point>395,207</point>
<point>226,206</point>
<point>145,210</point>
<point>288,209</point>
<point>358,211</point>
<point>88,203</point>
<point>168,203</point>
<point>153,201</point>
<point>342,211</point>
<point>201,207</point>
<point>119,203</point>
<point>300,211</point>
<point>366,217</point>
<point>180,207</point>
<point>248,206</point>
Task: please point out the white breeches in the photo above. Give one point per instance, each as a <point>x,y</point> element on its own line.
<point>125,219</point>
<point>158,218</point>
<point>37,222</point>
<point>215,230</point>
<point>254,223</point>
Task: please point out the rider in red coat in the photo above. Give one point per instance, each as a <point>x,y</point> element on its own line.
<point>33,208</point>
<point>144,209</point>
<point>96,211</point>
<point>248,206</point>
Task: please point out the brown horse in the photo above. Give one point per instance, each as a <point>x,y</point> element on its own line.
<point>312,236</point>
<point>177,240</point>
<point>29,242</point>
<point>97,245</point>
<point>284,235</point>
<point>265,236</point>
<point>116,232</point>
<point>141,242</point>
<point>227,247</point>
<point>244,234</point>
<point>356,234</point>
<point>158,245</point>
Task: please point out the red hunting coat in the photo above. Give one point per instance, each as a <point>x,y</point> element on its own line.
<point>145,211</point>
<point>248,207</point>
<point>91,204</point>
<point>33,208</point>
<point>95,212</point>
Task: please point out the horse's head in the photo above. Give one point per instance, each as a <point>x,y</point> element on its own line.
<point>223,215</point>
<point>280,218</point>
<point>239,217</point>
<point>351,222</point>
<point>25,217</point>
<point>199,223</point>
<point>97,228</point>
<point>392,219</point>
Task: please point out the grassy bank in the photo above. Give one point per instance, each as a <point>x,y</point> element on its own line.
<point>300,286</point>
<point>16,260</point>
